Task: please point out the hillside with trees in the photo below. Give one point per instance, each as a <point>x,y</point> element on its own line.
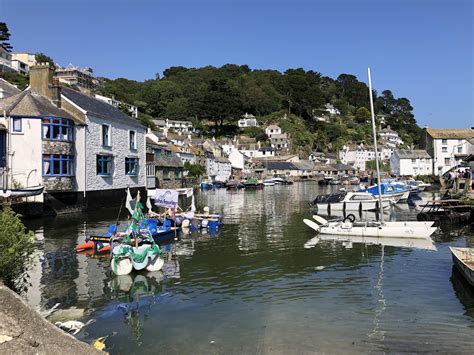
<point>294,99</point>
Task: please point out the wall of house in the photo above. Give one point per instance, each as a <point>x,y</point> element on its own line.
<point>418,167</point>
<point>26,155</point>
<point>119,133</point>
<point>237,160</point>
<point>447,151</point>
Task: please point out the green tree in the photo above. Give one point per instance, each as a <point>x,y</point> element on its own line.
<point>362,115</point>
<point>43,58</point>
<point>194,170</point>
<point>17,247</point>
<point>5,37</point>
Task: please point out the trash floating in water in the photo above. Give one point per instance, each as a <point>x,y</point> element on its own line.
<point>99,344</point>
<point>319,268</point>
<point>5,338</point>
<point>63,315</point>
<point>72,326</point>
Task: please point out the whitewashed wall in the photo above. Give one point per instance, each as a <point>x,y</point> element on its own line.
<point>119,133</point>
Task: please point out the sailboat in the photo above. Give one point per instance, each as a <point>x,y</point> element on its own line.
<point>381,229</point>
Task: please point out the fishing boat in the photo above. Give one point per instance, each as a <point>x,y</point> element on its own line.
<point>349,227</point>
<point>206,185</point>
<point>463,259</point>
<point>252,184</point>
<point>451,211</point>
<point>349,201</point>
<point>233,185</point>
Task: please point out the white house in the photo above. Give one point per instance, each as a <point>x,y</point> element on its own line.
<point>223,169</point>
<point>358,156</point>
<point>390,137</point>
<point>447,147</point>
<point>272,130</point>
<point>247,120</point>
<point>179,126</point>
<point>238,160</point>
<point>411,163</point>
<point>279,141</point>
<point>116,103</point>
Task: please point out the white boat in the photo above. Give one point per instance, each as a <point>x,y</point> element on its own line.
<point>22,192</point>
<point>417,243</point>
<point>349,201</point>
<point>268,182</point>
<point>278,180</point>
<point>349,227</point>
<point>463,258</point>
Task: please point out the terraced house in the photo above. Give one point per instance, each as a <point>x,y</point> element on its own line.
<point>83,151</point>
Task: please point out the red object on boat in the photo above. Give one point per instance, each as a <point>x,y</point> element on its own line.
<point>104,249</point>
<point>85,246</point>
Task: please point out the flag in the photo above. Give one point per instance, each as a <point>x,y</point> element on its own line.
<point>130,202</point>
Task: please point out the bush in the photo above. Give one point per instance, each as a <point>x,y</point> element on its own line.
<point>16,248</point>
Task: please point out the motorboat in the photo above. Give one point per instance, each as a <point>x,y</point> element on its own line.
<point>349,227</point>
<point>268,182</point>
<point>349,201</point>
<point>394,191</point>
<point>463,259</point>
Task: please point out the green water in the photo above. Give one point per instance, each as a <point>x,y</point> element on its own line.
<point>254,288</point>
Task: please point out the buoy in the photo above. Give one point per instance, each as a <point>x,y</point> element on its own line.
<point>206,210</point>
<point>122,266</point>
<point>85,246</point>
<point>185,223</point>
<point>204,223</point>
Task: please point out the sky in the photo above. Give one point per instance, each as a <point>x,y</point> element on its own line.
<point>419,49</point>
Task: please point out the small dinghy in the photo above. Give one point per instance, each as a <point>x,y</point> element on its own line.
<point>463,258</point>
<point>349,227</point>
<point>126,258</point>
<point>22,192</point>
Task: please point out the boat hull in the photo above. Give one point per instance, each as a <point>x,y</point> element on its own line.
<point>465,266</point>
<point>380,232</point>
<point>352,206</point>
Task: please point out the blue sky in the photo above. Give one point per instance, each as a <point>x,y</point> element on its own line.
<point>420,49</point>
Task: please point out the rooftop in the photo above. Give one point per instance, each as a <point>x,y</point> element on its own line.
<point>8,89</point>
<point>437,133</point>
<point>412,154</point>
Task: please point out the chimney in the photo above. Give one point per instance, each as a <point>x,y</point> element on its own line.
<point>42,83</point>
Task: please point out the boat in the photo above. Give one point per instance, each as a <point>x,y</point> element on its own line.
<point>349,227</point>
<point>451,211</point>
<point>354,180</point>
<point>252,184</point>
<point>22,192</point>
<point>325,180</point>
<point>268,182</point>
<point>394,191</point>
<point>233,185</point>
<point>349,201</point>
<point>206,185</point>
<point>335,182</point>
<point>463,259</point>
<point>417,243</point>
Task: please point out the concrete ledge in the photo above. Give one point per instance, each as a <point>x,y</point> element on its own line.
<point>24,331</point>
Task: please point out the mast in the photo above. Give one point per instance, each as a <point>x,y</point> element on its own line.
<point>379,187</point>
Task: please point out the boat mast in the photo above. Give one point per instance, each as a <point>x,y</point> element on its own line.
<point>375,146</point>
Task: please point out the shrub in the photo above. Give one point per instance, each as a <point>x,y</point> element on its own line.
<point>16,248</point>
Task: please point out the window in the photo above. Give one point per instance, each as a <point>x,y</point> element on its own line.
<point>17,127</point>
<point>157,153</point>
<point>177,174</point>
<point>132,140</point>
<point>447,161</point>
<point>60,129</point>
<point>444,149</point>
<point>444,141</point>
<point>459,149</point>
<point>58,165</point>
<point>166,174</point>
<point>106,136</point>
<point>131,166</point>
<point>104,165</point>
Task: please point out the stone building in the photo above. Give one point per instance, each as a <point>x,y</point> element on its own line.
<point>163,166</point>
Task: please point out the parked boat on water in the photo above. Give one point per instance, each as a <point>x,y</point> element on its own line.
<point>349,201</point>
<point>22,192</point>
<point>395,192</point>
<point>269,182</point>
<point>463,259</point>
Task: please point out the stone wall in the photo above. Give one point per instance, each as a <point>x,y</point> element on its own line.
<point>58,147</point>
<point>58,183</point>
<point>172,182</point>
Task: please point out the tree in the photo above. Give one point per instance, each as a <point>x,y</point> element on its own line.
<point>5,37</point>
<point>194,170</point>
<point>43,58</point>
<point>17,246</point>
<point>362,115</point>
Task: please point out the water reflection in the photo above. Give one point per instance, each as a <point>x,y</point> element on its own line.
<point>261,284</point>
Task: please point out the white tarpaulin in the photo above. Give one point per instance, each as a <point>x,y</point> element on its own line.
<point>166,198</point>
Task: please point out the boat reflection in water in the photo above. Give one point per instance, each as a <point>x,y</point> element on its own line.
<point>464,292</point>
<point>417,243</point>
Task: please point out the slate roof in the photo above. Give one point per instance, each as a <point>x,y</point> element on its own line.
<point>280,165</point>
<point>412,154</point>
<point>437,133</point>
<point>304,165</point>
<point>98,108</point>
<point>267,149</point>
<point>273,126</point>
<point>8,89</point>
<point>27,103</point>
<point>279,136</point>
<point>342,167</point>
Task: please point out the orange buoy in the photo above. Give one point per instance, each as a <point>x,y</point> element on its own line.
<point>104,249</point>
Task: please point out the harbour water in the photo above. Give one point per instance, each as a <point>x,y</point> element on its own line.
<point>253,287</point>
